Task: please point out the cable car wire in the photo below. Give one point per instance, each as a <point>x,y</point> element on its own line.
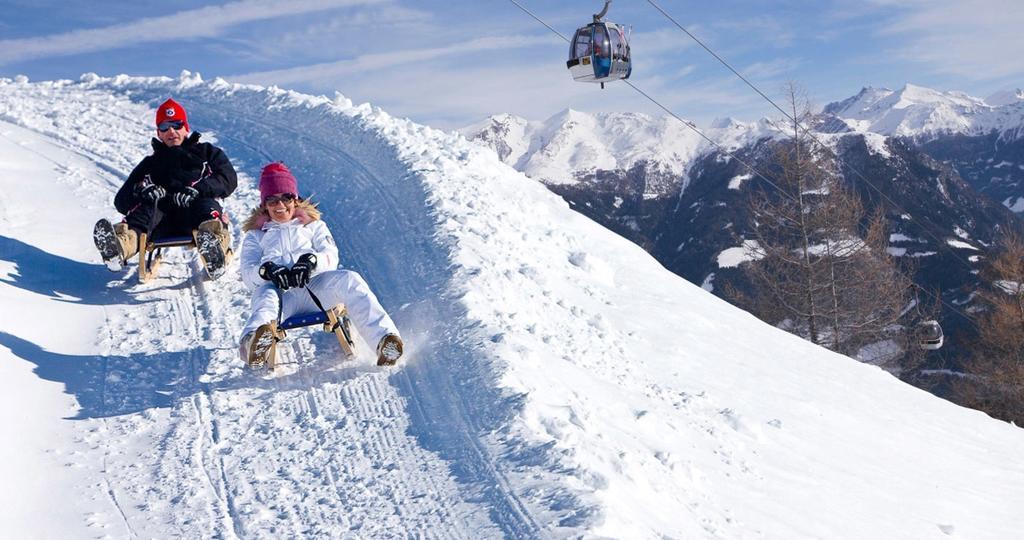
<point>687,123</point>
<point>811,134</point>
<point>752,169</point>
<point>842,163</point>
<point>530,13</point>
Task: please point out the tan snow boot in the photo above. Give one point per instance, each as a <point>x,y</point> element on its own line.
<point>261,347</point>
<point>213,241</point>
<point>389,350</point>
<point>128,240</point>
<point>116,243</point>
<point>220,230</point>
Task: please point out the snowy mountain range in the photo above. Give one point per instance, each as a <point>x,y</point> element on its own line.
<point>570,145</point>
<point>918,112</point>
<point>949,167</point>
<point>559,381</point>
<point>573,146</point>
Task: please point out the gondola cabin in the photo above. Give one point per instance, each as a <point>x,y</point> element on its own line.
<point>599,52</point>
<point>930,335</point>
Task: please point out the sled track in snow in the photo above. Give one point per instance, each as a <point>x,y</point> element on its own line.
<point>252,452</point>
<point>196,445</point>
<point>476,465</point>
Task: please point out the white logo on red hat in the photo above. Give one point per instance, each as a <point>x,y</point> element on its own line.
<point>169,112</point>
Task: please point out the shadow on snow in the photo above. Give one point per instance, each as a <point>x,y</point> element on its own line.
<point>113,385</point>
<point>59,278</point>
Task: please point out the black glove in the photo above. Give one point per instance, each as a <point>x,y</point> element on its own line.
<point>184,198</point>
<point>276,274</point>
<point>152,193</point>
<point>301,270</point>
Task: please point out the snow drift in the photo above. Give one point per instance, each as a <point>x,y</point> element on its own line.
<point>559,382</point>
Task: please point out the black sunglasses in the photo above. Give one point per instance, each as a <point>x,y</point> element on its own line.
<point>176,124</point>
<point>284,197</point>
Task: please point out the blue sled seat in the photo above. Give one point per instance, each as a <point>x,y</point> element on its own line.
<point>173,241</point>
<point>306,319</point>
<point>334,320</point>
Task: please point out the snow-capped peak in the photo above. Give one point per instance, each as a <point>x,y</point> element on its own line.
<point>1006,97</point>
<point>726,123</point>
<point>507,134</point>
<point>915,111</point>
<point>573,144</point>
<point>862,101</point>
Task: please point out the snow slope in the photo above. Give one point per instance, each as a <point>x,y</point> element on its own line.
<point>559,383</point>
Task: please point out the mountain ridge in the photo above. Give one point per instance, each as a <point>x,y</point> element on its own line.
<point>697,217</point>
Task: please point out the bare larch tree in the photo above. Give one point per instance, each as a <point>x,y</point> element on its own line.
<point>820,268</point>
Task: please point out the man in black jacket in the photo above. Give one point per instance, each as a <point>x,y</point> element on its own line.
<point>171,193</point>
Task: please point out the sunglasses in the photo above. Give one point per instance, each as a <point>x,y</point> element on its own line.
<point>175,124</point>
<point>282,198</point>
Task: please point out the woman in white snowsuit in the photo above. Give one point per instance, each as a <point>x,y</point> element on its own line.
<point>289,252</point>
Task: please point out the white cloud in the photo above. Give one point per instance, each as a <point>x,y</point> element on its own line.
<point>762,29</point>
<point>771,69</point>
<point>196,23</point>
<point>973,39</point>
<point>666,41</point>
<point>380,61</point>
<point>341,33</point>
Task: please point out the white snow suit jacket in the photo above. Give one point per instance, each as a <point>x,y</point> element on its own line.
<point>284,243</point>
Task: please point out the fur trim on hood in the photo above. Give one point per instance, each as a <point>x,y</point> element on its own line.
<point>305,211</point>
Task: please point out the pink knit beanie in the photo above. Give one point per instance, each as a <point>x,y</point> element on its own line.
<point>276,179</point>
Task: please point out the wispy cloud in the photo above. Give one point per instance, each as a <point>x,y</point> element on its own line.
<point>380,61</point>
<point>191,24</point>
<point>459,97</point>
<point>771,69</point>
<point>704,100</point>
<point>660,42</point>
<point>972,39</point>
<point>766,30</point>
<point>360,29</point>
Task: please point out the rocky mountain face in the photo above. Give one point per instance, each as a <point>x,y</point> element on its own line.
<point>983,139</point>
<point>992,163</point>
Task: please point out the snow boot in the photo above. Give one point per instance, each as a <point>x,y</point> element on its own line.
<point>389,350</point>
<point>261,348</point>
<point>213,241</point>
<point>116,243</point>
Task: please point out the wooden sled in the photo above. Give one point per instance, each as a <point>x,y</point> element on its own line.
<point>151,253</point>
<point>334,320</point>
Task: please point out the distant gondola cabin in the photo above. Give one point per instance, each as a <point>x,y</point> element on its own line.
<point>930,335</point>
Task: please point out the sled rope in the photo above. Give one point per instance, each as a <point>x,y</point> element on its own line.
<point>337,323</point>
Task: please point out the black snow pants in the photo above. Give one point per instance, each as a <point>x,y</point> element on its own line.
<point>165,220</point>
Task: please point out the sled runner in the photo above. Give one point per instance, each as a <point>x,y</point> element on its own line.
<point>214,260</point>
<point>263,347</point>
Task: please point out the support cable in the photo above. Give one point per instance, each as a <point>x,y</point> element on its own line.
<point>687,123</point>
<point>812,135</point>
<point>731,155</point>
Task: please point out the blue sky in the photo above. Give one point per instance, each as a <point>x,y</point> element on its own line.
<point>453,62</point>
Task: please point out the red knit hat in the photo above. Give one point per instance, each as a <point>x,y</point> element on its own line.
<point>169,111</point>
<point>276,179</point>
